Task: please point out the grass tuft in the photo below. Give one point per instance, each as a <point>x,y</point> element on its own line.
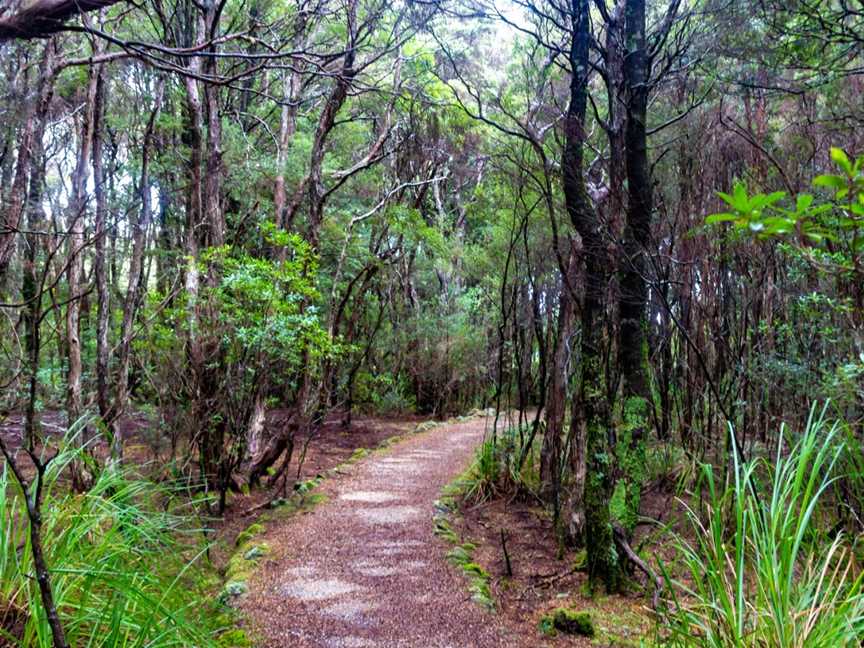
<point>760,572</point>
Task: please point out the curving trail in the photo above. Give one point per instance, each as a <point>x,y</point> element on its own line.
<point>364,569</point>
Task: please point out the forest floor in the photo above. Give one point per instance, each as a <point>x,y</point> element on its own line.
<point>364,567</point>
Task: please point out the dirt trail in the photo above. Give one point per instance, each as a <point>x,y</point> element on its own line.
<point>365,570</point>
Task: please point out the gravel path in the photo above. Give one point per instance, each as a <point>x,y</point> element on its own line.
<point>364,570</point>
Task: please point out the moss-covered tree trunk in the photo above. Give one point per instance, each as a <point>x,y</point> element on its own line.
<point>634,266</point>
<point>603,564</point>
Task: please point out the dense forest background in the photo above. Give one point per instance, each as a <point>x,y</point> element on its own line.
<point>633,229</point>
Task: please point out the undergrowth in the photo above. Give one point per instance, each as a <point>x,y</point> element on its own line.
<point>126,565</point>
<point>760,572</point>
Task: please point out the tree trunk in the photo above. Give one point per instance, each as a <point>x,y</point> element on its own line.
<point>75,270</point>
<point>31,289</point>
<point>603,564</point>
<point>552,450</point>
<point>103,295</point>
<point>634,266</point>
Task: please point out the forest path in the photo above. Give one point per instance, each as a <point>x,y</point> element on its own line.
<point>364,569</point>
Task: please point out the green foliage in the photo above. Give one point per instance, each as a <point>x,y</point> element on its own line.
<point>759,571</point>
<point>842,216</point>
<point>124,562</point>
<point>478,578</point>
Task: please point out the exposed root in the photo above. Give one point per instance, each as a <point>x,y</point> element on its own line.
<point>622,542</point>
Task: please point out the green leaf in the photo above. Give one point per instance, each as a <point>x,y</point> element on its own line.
<point>830,181</point>
<point>763,200</point>
<point>724,217</point>
<point>840,158</point>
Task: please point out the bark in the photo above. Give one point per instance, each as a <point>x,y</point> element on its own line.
<point>41,18</point>
<point>75,270</point>
<point>603,564</point>
<point>616,96</point>
<point>553,442</point>
<point>214,215</point>
<point>194,141</point>
<point>31,287</point>
<point>634,266</point>
<point>13,205</point>
<point>103,295</point>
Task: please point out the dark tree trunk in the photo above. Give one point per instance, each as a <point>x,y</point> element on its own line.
<point>634,266</point>
<point>603,564</point>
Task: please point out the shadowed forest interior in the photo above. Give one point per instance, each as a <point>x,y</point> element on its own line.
<point>548,314</point>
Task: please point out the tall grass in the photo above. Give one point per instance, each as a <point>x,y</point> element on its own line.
<point>123,560</point>
<point>761,571</point>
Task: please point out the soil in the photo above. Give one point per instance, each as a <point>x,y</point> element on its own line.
<point>542,581</point>
<point>364,568</point>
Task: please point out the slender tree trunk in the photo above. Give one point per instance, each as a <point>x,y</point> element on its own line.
<point>100,231</point>
<point>31,290</point>
<point>552,450</point>
<point>75,271</point>
<point>634,267</point>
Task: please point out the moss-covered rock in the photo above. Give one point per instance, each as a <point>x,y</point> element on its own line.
<point>475,570</point>
<point>358,454</point>
<point>250,532</point>
<point>232,590</point>
<point>567,621</point>
<point>256,551</point>
<point>425,426</point>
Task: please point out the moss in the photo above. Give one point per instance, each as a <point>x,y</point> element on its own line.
<point>580,560</point>
<point>475,569</point>
<point>458,556</point>
<point>632,461</point>
<point>357,455</point>
<point>232,590</point>
<point>426,426</point>
<point>256,551</point>
<point>567,621</point>
<point>462,554</point>
<point>444,531</point>
<point>622,627</point>
<point>603,563</point>
<point>250,532</point>
<point>234,638</point>
<point>303,487</point>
